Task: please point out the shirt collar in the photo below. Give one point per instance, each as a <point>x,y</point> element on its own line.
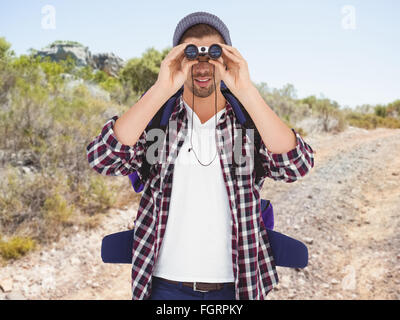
<point>181,112</point>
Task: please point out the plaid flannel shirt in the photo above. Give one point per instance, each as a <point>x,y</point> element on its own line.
<point>254,268</point>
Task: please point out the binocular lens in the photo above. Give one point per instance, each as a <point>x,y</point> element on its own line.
<point>215,51</point>
<point>192,52</point>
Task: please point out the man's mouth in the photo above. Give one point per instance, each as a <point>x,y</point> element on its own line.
<point>203,82</point>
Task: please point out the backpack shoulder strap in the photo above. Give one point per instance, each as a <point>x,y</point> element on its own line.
<point>247,123</point>
<point>159,121</point>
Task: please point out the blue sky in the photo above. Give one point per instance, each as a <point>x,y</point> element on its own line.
<point>350,56</point>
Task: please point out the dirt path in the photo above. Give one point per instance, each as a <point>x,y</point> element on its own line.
<point>374,243</point>
<point>347,211</point>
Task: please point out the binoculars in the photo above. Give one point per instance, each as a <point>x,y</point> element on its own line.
<point>193,52</point>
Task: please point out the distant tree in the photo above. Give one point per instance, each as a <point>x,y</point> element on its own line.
<point>380,111</point>
<point>5,51</point>
<point>311,101</point>
<point>393,109</point>
<point>315,103</point>
<point>364,109</point>
<point>140,74</point>
<point>288,91</point>
<point>326,110</point>
<point>7,75</point>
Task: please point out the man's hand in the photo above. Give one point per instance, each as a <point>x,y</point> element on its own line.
<point>174,70</point>
<point>276,135</point>
<point>233,69</point>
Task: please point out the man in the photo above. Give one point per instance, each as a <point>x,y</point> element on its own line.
<point>203,238</point>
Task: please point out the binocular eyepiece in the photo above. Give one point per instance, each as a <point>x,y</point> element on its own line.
<point>193,52</point>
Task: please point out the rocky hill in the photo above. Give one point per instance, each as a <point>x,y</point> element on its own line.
<point>60,50</point>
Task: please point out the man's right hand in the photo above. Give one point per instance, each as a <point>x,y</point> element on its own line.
<point>174,70</point>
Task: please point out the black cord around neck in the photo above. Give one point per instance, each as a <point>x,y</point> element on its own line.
<point>215,129</point>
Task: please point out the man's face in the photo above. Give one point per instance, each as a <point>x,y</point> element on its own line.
<point>203,70</point>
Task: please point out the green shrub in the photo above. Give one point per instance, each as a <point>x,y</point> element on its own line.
<point>371,121</point>
<point>45,127</point>
<point>96,194</point>
<point>65,42</point>
<point>10,200</point>
<point>16,247</point>
<point>101,192</point>
<point>56,210</point>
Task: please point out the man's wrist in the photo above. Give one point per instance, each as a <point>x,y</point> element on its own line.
<point>247,93</point>
<point>164,92</point>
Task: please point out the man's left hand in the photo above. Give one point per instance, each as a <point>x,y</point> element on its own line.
<point>233,69</point>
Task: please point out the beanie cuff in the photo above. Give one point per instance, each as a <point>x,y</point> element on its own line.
<point>197,18</point>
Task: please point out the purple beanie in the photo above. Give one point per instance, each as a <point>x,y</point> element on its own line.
<point>201,17</point>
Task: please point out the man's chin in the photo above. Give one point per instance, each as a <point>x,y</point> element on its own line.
<point>204,92</point>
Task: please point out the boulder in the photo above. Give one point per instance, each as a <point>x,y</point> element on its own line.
<point>109,63</point>
<point>15,296</point>
<point>6,284</point>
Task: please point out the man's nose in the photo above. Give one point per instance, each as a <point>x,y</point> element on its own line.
<point>203,66</point>
<point>204,58</point>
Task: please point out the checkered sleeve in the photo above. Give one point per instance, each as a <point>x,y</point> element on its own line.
<point>109,157</point>
<point>288,166</point>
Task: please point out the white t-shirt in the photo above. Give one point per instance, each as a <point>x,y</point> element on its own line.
<point>197,240</point>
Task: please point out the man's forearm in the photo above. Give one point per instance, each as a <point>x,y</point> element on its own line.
<point>129,127</point>
<point>276,135</point>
